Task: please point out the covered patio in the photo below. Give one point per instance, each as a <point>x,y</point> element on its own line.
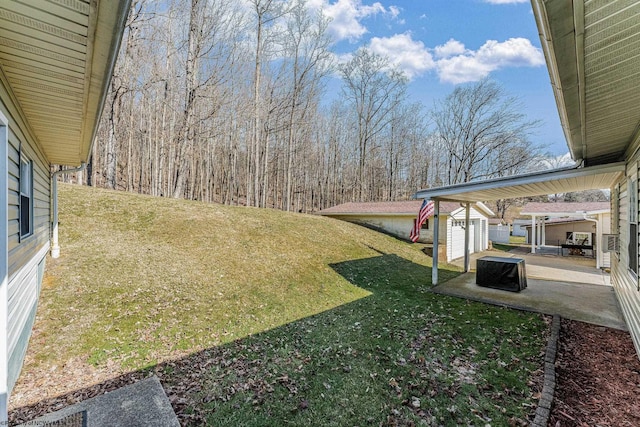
<point>555,285</point>
<point>569,286</point>
<point>598,214</point>
<point>542,183</point>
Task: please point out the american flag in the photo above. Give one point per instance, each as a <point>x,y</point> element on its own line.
<point>426,210</point>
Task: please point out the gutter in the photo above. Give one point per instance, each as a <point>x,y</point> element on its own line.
<point>55,247</point>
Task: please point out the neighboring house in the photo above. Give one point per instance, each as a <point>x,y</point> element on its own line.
<point>396,218</point>
<point>557,222</point>
<point>592,50</point>
<point>56,60</point>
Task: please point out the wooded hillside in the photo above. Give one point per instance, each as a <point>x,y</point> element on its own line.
<point>227,102</point>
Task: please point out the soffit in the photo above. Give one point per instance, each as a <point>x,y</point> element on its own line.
<point>593,54</point>
<point>57,56</point>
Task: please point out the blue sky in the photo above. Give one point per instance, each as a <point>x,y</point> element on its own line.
<point>442,43</point>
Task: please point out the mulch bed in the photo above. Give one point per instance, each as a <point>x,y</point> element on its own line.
<point>598,373</point>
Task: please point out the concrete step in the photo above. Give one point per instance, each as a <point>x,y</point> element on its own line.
<point>143,404</point>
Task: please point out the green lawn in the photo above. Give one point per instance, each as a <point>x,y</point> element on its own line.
<point>258,317</point>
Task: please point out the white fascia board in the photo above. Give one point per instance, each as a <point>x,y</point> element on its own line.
<point>450,192</point>
<point>485,208</point>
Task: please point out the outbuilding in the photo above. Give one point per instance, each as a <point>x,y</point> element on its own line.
<point>570,225</point>
<point>396,218</point>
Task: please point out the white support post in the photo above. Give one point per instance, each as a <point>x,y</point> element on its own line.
<point>55,247</point>
<point>539,234</point>
<point>543,235</point>
<point>467,211</point>
<point>436,228</point>
<point>533,234</point>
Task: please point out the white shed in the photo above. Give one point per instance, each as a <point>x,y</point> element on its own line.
<point>396,218</point>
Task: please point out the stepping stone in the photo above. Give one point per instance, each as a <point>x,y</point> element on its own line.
<point>143,404</point>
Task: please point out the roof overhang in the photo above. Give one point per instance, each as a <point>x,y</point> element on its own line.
<point>398,214</point>
<point>554,181</point>
<point>576,214</point>
<point>57,58</point>
<point>479,206</point>
<point>592,50</point>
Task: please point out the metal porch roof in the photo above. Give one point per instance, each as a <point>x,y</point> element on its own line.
<point>554,181</point>
<point>57,57</point>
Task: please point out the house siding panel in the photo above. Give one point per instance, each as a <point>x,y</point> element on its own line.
<point>625,285</point>
<point>606,229</point>
<point>25,255</point>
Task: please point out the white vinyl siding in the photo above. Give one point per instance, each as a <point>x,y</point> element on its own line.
<point>21,250</point>
<point>625,284</point>
<point>605,224</point>
<point>26,253</point>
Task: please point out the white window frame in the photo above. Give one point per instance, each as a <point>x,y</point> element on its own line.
<point>632,195</point>
<point>616,216</point>
<point>26,194</point>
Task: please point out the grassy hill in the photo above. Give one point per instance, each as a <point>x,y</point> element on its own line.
<point>255,317</point>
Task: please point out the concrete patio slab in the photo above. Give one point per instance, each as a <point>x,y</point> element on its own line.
<point>589,303</point>
<point>143,404</point>
<point>550,266</point>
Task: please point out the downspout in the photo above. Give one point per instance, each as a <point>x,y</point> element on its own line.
<point>55,248</point>
<point>584,215</point>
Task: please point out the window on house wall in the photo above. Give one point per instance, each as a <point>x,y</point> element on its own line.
<point>632,190</point>
<point>26,197</point>
<point>425,225</point>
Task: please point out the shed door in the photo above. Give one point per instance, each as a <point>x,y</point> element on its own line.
<point>457,238</point>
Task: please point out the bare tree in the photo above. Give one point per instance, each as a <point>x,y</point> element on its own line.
<point>307,47</point>
<point>479,128</point>
<point>375,91</point>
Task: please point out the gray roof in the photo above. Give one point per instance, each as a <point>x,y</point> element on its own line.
<point>563,208</point>
<point>410,207</point>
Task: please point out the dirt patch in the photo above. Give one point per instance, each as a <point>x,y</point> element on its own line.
<point>598,375</point>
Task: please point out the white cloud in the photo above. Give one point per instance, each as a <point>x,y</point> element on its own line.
<point>505,1</point>
<point>452,61</point>
<point>346,16</point>
<point>450,48</point>
<point>493,55</point>
<point>409,55</point>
